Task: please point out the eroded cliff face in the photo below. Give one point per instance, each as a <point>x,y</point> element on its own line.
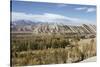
<point>55,28</point>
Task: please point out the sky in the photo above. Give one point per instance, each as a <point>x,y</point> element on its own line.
<point>53,12</point>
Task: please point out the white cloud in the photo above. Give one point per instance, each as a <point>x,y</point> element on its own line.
<point>86,9</point>
<point>19,16</point>
<point>61,5</point>
<point>91,9</point>
<point>81,8</point>
<point>46,17</point>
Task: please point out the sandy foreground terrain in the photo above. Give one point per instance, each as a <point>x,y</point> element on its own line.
<point>92,59</point>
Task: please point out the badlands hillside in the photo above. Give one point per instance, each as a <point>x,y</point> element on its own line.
<point>28,27</point>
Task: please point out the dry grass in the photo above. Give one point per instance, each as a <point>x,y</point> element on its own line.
<point>57,51</point>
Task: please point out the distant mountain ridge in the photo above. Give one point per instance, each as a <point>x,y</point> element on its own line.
<point>40,27</point>
<point>23,22</point>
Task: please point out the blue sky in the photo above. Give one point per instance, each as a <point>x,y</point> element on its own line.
<point>49,12</point>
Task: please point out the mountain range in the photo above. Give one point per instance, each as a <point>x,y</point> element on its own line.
<point>45,27</point>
